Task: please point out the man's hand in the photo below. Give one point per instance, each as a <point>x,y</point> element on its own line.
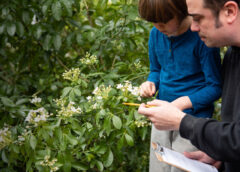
<point>147,89</point>
<point>203,157</point>
<point>165,116</point>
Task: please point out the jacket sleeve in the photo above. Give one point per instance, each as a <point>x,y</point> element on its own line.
<point>154,65</point>
<point>210,64</point>
<point>220,140</point>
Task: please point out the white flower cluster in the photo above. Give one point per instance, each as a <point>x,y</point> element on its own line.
<point>89,59</point>
<point>36,100</point>
<point>69,110</point>
<point>51,164</point>
<point>127,87</point>
<point>142,123</point>
<point>99,93</point>
<point>21,138</point>
<point>72,74</point>
<point>102,91</point>
<point>37,116</point>
<point>5,137</point>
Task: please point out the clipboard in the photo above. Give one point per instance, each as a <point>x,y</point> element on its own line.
<point>178,160</point>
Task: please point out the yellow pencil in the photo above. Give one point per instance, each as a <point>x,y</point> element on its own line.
<point>135,104</point>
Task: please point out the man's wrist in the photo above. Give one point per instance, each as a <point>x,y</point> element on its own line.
<point>179,119</point>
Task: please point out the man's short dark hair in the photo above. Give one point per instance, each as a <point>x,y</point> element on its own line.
<point>216,5</point>
<point>162,10</point>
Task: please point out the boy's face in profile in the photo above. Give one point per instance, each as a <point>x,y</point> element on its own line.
<point>171,28</point>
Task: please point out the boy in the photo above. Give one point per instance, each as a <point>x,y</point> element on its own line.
<point>183,70</point>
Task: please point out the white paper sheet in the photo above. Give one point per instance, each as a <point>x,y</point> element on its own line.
<point>177,159</point>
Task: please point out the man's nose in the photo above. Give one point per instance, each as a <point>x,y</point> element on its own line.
<point>195,27</point>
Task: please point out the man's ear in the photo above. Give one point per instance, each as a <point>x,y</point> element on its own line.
<point>230,11</point>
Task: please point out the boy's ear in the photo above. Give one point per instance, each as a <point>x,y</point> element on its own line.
<point>230,11</point>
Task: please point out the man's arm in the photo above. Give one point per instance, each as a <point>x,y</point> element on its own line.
<point>220,140</point>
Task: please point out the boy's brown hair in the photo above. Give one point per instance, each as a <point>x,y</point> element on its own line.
<point>162,10</point>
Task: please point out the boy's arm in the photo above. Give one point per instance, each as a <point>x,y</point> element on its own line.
<point>210,64</point>
<point>182,103</point>
<point>155,67</point>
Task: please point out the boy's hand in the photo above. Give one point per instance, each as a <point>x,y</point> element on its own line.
<point>147,89</point>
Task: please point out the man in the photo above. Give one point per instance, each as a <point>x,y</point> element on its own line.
<point>218,24</point>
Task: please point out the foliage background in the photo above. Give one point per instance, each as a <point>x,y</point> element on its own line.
<point>42,39</point>
<point>44,47</point>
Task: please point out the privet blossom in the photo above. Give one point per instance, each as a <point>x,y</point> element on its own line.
<point>72,74</point>
<point>36,100</point>
<point>5,137</point>
<point>67,110</point>
<point>49,163</point>
<point>89,59</point>
<point>37,116</point>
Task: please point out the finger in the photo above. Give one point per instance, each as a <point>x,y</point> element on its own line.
<point>217,164</point>
<point>143,110</point>
<point>197,155</point>
<point>148,90</point>
<point>156,102</point>
<point>144,90</point>
<point>153,89</point>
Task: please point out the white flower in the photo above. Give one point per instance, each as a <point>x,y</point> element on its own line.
<point>119,86</point>
<point>34,20</point>
<point>36,116</point>
<point>139,98</point>
<point>36,100</point>
<point>89,98</point>
<point>99,97</point>
<point>95,90</point>
<point>78,110</point>
<point>95,106</point>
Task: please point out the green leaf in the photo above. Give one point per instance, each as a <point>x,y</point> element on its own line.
<point>99,165</point>
<point>57,41</point>
<point>4,157</point>
<point>68,6</point>
<point>117,122</point>
<point>107,125</point>
<point>47,42</point>
<point>129,140</point>
<point>46,6</point>
<point>101,149</point>
<point>25,17</point>
<point>77,91</point>
<point>22,101</point>
<point>20,29</point>
<point>2,28</point>
<point>66,91</point>
<point>72,140</point>
<point>79,166</point>
<point>33,142</point>
<point>79,39</point>
<point>71,96</point>
<point>7,102</point>
<point>109,159</point>
<point>44,9</point>
<point>11,29</point>
<point>38,32</point>
<point>57,10</point>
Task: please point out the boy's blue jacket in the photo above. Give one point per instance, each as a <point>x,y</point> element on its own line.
<point>185,66</point>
